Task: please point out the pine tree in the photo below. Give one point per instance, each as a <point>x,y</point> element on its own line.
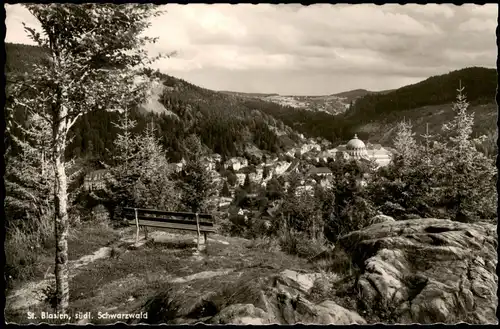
<point>124,142</point>
<point>197,186</point>
<point>404,143</point>
<point>29,179</point>
<point>427,147</point>
<point>29,174</point>
<point>468,176</point>
<point>142,177</point>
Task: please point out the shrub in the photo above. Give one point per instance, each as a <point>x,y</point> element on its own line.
<point>265,243</point>
<point>23,246</point>
<point>258,228</point>
<point>300,244</point>
<point>163,307</point>
<point>351,215</point>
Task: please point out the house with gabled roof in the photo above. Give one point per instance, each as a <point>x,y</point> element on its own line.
<point>95,180</point>
<point>320,171</point>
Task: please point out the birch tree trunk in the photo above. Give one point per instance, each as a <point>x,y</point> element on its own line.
<point>61,214</point>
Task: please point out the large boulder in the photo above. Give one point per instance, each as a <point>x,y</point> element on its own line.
<point>282,299</point>
<point>426,270</point>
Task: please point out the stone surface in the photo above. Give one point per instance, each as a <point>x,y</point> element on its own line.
<point>301,281</point>
<point>381,219</point>
<point>241,314</point>
<point>428,270</point>
<point>281,299</point>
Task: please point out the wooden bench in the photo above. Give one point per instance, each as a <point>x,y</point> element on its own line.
<point>201,223</point>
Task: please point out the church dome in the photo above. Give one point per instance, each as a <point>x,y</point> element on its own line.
<point>355,144</point>
<point>356,148</point>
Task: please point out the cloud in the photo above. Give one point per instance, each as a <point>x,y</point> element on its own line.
<point>316,49</point>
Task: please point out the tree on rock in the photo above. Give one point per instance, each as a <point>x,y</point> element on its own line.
<point>94,51</point>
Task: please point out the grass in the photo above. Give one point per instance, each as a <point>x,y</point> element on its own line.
<point>133,280</point>
<point>33,264</point>
<point>23,250</point>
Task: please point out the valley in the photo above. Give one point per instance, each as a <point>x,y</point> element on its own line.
<point>312,198</point>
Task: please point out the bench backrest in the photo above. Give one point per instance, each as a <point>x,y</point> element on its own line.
<point>169,219</point>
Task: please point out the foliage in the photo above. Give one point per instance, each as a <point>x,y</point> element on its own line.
<point>300,244</point>
<point>23,247</point>
<point>231,178</point>
<point>405,143</point>
<point>467,176</point>
<point>247,184</point>
<point>141,176</point>
<point>197,185</point>
<point>92,51</point>
<point>302,213</point>
<point>446,172</point>
<point>225,190</point>
<point>240,197</point>
<point>29,179</point>
<point>29,201</point>
<point>346,205</point>
<point>274,189</point>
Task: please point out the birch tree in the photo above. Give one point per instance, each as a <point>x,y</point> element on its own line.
<point>94,55</point>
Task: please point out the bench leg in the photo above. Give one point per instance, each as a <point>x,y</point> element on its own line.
<point>197,233</point>
<point>206,241</point>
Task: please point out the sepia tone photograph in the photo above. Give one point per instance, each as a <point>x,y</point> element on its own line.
<point>250,164</point>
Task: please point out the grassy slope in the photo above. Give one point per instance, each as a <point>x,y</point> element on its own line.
<point>81,241</point>
<point>129,278</point>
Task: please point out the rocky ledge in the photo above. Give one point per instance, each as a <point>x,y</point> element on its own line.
<point>427,270</point>
<point>413,271</point>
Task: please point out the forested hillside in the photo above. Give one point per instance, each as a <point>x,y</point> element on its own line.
<point>225,124</point>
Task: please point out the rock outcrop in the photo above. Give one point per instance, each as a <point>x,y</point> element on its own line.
<point>426,270</point>
<point>381,219</point>
<point>282,299</point>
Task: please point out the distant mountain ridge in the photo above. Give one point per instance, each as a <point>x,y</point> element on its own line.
<point>332,104</point>
<point>384,109</point>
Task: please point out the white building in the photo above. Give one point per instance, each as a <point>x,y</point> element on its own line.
<point>309,147</point>
<point>321,171</point>
<point>236,163</point>
<point>356,149</point>
<point>281,167</point>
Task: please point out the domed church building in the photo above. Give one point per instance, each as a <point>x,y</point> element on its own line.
<point>357,149</point>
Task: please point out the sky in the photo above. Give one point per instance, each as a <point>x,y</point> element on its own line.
<point>319,49</point>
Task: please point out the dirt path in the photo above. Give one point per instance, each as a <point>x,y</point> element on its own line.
<point>32,293</point>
